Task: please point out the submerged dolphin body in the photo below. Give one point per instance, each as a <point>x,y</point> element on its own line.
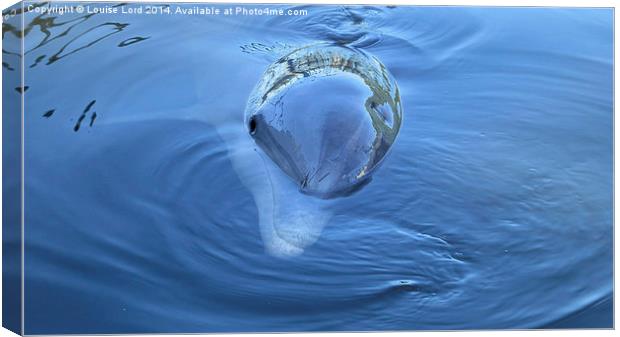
<point>327,115</point>
<point>324,118</point>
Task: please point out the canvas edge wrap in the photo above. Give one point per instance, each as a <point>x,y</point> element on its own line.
<point>12,178</point>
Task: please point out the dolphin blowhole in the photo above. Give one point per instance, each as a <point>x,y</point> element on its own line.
<point>252,125</point>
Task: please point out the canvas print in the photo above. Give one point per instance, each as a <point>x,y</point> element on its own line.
<point>203,168</point>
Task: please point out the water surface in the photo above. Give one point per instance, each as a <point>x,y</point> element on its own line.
<point>492,210</point>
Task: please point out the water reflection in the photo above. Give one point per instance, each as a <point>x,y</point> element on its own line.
<point>49,113</point>
<point>47,28</point>
<point>47,24</point>
<point>22,90</point>
<point>7,66</point>
<point>92,36</point>
<point>131,41</point>
<point>37,60</point>
<point>76,128</point>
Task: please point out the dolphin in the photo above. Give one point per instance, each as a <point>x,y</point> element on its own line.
<point>318,123</point>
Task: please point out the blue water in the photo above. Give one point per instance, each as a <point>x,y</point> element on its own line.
<point>493,208</point>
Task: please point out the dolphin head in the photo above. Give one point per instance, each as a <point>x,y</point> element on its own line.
<point>327,116</point>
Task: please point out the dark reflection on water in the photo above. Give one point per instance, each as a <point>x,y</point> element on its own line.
<point>108,29</point>
<point>76,128</point>
<point>493,209</point>
<point>37,60</point>
<point>131,41</point>
<point>49,113</point>
<point>22,90</point>
<point>7,66</point>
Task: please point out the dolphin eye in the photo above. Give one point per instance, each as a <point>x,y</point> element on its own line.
<point>252,125</point>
